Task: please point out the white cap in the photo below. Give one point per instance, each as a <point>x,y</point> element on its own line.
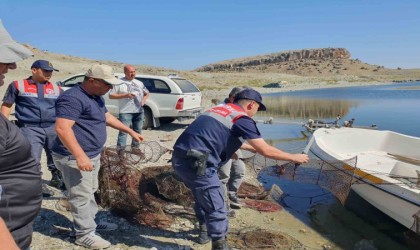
<point>10,50</point>
<point>104,72</point>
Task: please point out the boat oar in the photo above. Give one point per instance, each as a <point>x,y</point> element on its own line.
<point>405,159</point>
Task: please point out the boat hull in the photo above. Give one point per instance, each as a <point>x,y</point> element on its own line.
<point>398,209</point>
<point>375,169</point>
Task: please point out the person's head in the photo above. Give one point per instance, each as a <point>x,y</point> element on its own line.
<point>250,100</point>
<point>99,79</point>
<point>42,71</point>
<point>234,92</point>
<point>10,53</point>
<point>130,72</point>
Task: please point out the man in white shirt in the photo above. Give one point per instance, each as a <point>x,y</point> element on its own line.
<point>131,95</point>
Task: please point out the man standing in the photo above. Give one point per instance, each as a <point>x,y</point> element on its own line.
<point>20,178</point>
<point>35,112</point>
<point>209,142</point>
<point>232,172</point>
<point>81,128</point>
<point>131,96</point>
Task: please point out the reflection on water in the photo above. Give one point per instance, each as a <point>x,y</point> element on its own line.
<point>302,108</point>
<point>390,107</point>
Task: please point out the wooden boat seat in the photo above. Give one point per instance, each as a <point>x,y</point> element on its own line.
<point>405,170</point>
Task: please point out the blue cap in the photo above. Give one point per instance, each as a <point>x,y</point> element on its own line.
<point>43,64</point>
<point>251,94</point>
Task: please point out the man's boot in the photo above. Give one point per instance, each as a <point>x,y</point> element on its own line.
<point>221,244</point>
<point>204,237</point>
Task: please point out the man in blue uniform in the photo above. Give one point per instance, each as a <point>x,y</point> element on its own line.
<point>208,143</point>
<point>233,171</point>
<point>35,98</point>
<point>20,178</point>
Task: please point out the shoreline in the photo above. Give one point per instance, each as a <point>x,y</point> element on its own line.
<point>298,87</point>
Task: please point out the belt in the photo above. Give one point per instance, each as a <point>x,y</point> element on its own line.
<point>34,124</point>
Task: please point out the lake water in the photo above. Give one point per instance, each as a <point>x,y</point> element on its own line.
<point>393,107</point>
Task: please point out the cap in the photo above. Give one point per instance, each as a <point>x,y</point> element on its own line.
<point>43,64</point>
<point>235,91</point>
<point>104,72</point>
<point>10,50</point>
<point>251,94</point>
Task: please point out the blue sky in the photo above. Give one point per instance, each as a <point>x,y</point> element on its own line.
<point>186,34</point>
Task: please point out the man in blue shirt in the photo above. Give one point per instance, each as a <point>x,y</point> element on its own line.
<point>208,143</point>
<point>81,128</point>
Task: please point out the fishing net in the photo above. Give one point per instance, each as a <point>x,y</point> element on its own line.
<point>257,198</point>
<point>144,152</point>
<point>154,195</point>
<point>135,191</point>
<point>250,238</point>
<point>334,176</point>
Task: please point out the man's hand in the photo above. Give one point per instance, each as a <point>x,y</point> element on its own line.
<point>84,164</point>
<point>300,158</point>
<point>136,136</point>
<point>234,156</point>
<point>131,96</point>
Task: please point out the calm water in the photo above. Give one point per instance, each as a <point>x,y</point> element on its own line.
<point>391,107</point>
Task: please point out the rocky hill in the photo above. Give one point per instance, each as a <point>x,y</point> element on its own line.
<point>325,64</point>
<point>281,58</point>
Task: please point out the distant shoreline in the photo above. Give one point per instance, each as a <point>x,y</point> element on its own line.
<point>294,87</point>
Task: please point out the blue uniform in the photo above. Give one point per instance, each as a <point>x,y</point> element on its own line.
<point>219,132</point>
<point>35,113</point>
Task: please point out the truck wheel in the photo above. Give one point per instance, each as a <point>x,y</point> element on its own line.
<point>148,119</point>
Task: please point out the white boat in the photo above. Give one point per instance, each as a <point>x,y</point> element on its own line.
<point>387,168</point>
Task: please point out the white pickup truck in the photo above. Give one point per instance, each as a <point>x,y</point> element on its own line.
<point>171,98</point>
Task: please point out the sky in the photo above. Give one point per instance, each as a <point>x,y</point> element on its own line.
<point>187,34</point>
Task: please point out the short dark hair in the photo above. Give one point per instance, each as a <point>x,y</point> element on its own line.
<point>235,91</point>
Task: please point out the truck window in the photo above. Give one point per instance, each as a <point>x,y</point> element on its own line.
<point>185,85</point>
<point>73,81</point>
<point>155,86</point>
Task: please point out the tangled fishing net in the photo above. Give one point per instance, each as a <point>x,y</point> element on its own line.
<point>335,176</point>
<point>262,239</point>
<point>130,189</point>
<point>154,195</point>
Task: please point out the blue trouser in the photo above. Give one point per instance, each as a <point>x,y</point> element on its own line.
<point>41,138</point>
<point>208,195</point>
<point>133,120</point>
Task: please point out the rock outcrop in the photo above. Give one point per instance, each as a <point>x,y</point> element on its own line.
<point>275,58</point>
